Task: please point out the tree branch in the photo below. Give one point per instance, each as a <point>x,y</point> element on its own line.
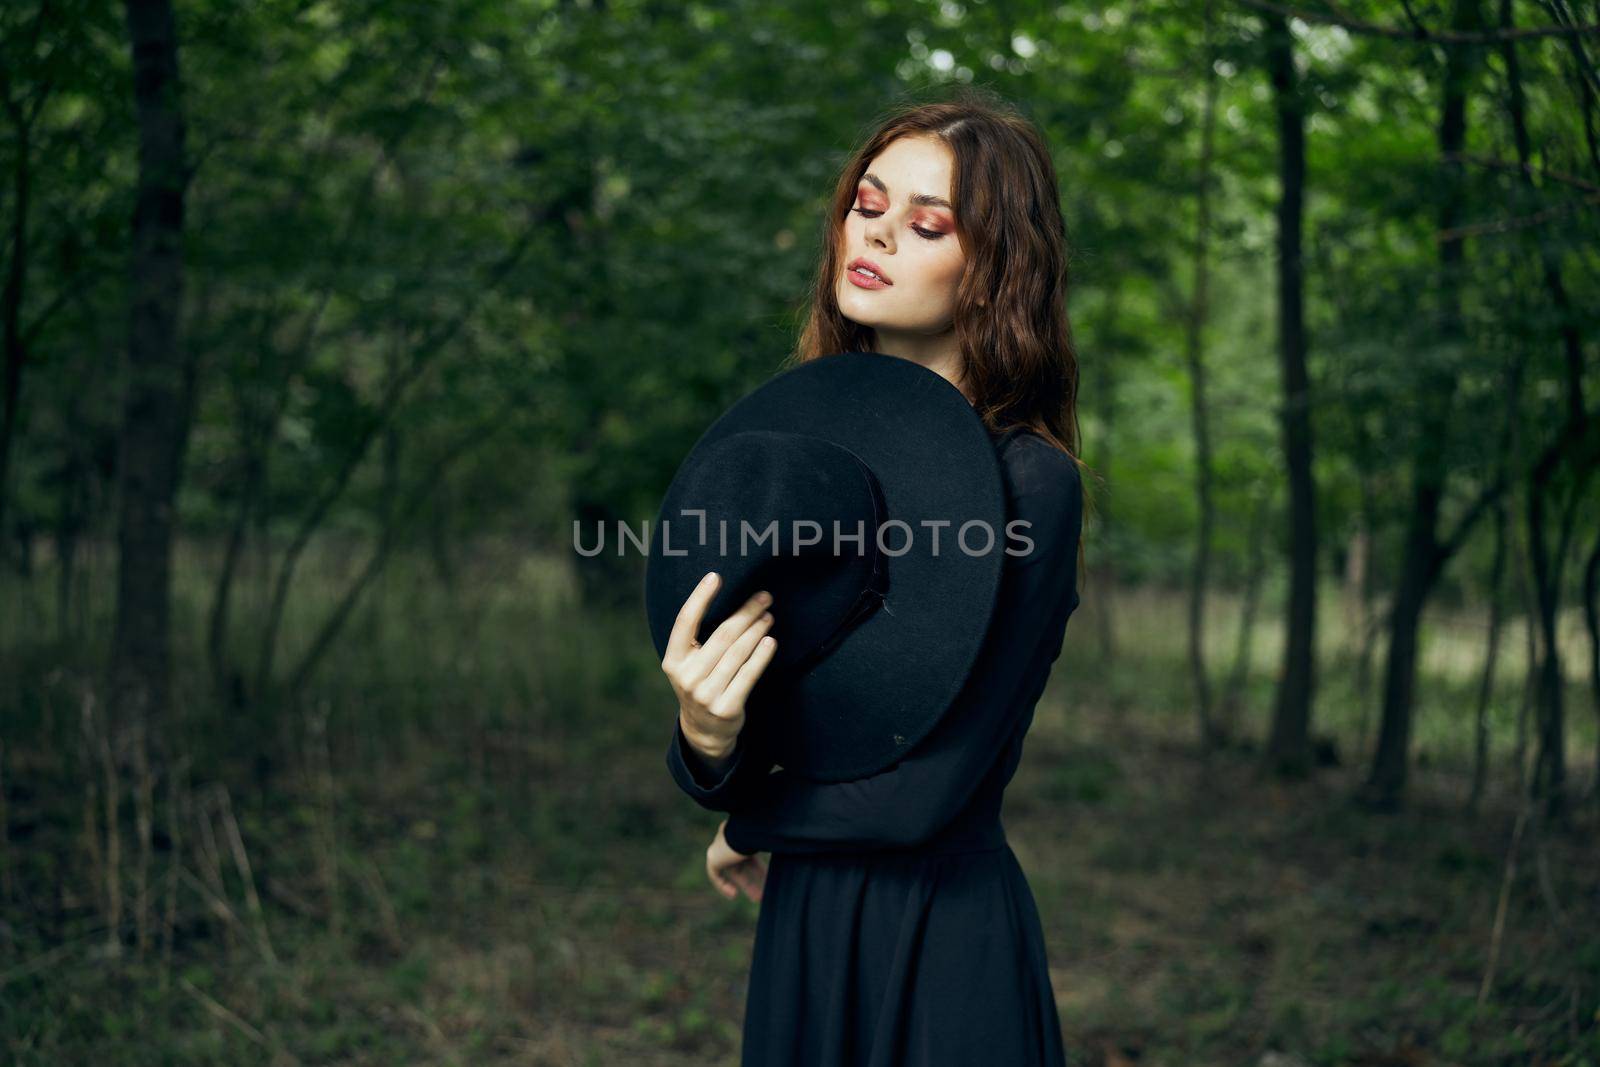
<point>1419,32</point>
<point>1519,222</point>
<point>1560,177</point>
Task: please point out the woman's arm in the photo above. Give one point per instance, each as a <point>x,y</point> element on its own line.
<point>715,789</point>
<point>712,682</point>
<point>917,797</point>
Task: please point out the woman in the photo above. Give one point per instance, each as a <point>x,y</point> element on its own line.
<point>896,926</point>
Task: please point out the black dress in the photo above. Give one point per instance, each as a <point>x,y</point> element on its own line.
<point>896,927</point>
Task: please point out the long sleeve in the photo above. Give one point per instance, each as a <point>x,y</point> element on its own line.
<point>916,798</point>
<point>713,793</point>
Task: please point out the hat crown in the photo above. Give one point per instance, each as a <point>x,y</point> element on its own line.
<point>758,477</point>
<point>790,513</point>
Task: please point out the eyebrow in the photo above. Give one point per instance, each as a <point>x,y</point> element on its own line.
<point>920,199</point>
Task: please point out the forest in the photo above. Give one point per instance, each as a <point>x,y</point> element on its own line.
<point>326,323</point>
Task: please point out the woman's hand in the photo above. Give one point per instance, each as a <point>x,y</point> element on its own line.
<point>712,680</point>
<point>732,871</point>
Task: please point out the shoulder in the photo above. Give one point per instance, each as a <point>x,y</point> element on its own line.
<point>1045,490</point>
<point>1035,467</point>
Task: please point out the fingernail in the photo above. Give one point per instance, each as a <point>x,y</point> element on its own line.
<point>764,597</point>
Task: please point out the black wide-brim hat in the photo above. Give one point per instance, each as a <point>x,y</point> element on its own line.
<point>855,705</point>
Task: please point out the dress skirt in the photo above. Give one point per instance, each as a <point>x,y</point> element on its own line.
<point>900,961</point>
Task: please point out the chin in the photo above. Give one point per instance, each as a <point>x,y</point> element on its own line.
<point>856,309</point>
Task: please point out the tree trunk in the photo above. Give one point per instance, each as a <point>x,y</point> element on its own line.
<point>23,109</point>
<point>1195,341</point>
<point>1233,699</point>
<point>11,296</point>
<point>1591,620</point>
<point>1491,654</point>
<point>1105,574</point>
<point>1550,766</point>
<point>158,403</point>
<point>1289,746</point>
<point>1357,608</point>
<point>1424,554</point>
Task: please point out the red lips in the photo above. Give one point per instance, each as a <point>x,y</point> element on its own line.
<point>862,261</point>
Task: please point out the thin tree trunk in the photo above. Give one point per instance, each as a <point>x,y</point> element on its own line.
<point>1508,450</point>
<point>158,404</point>
<point>1357,609</point>
<point>70,519</point>
<point>1195,350</point>
<point>1591,619</point>
<point>23,111</point>
<point>1424,555</point>
<point>1105,599</point>
<point>15,284</point>
<point>1491,655</point>
<point>1289,746</point>
<point>1550,763</point>
<point>1371,619</point>
<point>1550,766</point>
<point>1530,654</point>
<point>227,683</point>
<point>259,423</point>
<point>394,520</point>
<point>1233,699</point>
<point>423,354</point>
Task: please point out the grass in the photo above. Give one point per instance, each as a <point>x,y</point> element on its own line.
<point>482,859</point>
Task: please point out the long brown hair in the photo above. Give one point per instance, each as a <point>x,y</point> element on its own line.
<point>1019,362</point>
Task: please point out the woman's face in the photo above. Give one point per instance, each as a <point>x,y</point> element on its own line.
<point>903,222</point>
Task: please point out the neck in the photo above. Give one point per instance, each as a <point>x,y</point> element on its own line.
<point>940,353</point>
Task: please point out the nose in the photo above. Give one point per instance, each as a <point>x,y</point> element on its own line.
<point>879,234</point>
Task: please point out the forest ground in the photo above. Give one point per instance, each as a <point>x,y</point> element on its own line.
<point>482,860</point>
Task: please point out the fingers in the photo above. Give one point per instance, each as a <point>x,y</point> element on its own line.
<point>748,875</point>
<point>730,871</point>
<point>751,876</point>
<point>709,653</point>
<point>688,622</point>
<point>720,882</point>
<point>738,690</point>
<point>735,657</point>
<point>709,715</point>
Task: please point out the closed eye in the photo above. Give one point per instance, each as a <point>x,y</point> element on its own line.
<point>928,234</point>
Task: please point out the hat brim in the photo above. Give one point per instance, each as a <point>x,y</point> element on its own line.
<point>886,685</point>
